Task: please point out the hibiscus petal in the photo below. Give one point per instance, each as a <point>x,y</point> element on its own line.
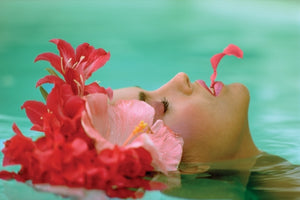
<point>66,51</point>
<point>54,60</point>
<point>109,93</point>
<point>95,119</point>
<point>146,142</point>
<point>169,145</point>
<point>34,111</point>
<point>125,115</point>
<point>100,142</point>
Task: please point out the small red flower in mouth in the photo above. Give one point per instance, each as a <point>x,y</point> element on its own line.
<point>231,49</point>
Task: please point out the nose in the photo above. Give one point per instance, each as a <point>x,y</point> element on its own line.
<point>180,82</point>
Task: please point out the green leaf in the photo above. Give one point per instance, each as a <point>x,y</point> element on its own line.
<point>44,93</point>
<point>52,72</point>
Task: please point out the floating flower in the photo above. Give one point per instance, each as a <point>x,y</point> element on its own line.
<point>116,124</point>
<point>81,146</point>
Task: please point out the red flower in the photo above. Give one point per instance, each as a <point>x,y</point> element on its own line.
<point>66,154</point>
<point>17,150</point>
<point>76,67</point>
<point>231,49</point>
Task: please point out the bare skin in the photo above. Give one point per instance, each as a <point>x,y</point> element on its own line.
<point>213,128</point>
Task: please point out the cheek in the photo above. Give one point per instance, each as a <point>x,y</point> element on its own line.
<point>189,123</point>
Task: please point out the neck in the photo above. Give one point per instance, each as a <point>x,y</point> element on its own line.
<point>247,147</point>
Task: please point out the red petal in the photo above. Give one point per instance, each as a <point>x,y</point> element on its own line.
<point>231,49</point>
<point>16,129</point>
<point>5,175</point>
<point>109,93</point>
<point>18,149</point>
<point>74,79</point>
<point>94,88</point>
<point>79,146</point>
<point>66,51</point>
<point>97,62</point>
<point>84,50</point>
<point>50,79</point>
<point>73,105</point>
<point>234,50</point>
<point>54,60</point>
<point>35,110</point>
<point>214,62</point>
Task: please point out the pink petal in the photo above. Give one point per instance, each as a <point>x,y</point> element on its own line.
<point>100,142</point>
<point>216,59</point>
<point>54,60</point>
<point>66,51</point>
<point>146,142</point>
<point>169,145</point>
<point>215,62</point>
<point>95,119</point>
<point>109,93</point>
<point>164,146</point>
<point>125,115</point>
<point>232,49</point>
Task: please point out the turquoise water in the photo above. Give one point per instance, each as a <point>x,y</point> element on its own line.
<point>150,42</point>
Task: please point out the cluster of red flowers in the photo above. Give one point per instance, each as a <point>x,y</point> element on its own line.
<point>65,154</point>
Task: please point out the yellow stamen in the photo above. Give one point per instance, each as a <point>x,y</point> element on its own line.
<point>74,66</point>
<point>78,86</point>
<point>81,78</point>
<point>138,129</point>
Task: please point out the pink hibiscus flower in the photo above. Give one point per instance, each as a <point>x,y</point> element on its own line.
<point>129,123</point>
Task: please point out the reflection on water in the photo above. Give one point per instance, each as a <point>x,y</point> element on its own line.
<point>262,177</point>
<point>150,42</point>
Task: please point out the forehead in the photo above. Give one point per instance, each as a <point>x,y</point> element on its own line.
<point>126,93</point>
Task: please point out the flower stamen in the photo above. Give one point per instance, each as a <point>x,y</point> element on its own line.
<point>138,129</point>
<point>78,86</point>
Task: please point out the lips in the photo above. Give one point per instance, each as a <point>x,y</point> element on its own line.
<point>215,89</point>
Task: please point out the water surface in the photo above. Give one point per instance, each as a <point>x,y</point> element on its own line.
<point>150,42</point>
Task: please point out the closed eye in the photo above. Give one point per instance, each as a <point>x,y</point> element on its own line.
<point>165,103</point>
<point>142,96</point>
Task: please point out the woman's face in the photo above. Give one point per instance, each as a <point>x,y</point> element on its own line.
<point>212,127</point>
